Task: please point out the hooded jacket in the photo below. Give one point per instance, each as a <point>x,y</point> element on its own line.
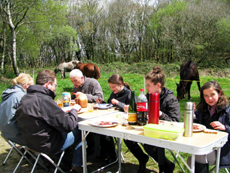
<point>11,98</point>
<point>222,116</point>
<point>169,105</point>
<point>42,122</point>
<point>123,97</point>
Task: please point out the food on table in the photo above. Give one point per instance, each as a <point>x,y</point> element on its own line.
<point>79,110</point>
<point>82,100</point>
<point>106,123</point>
<point>197,127</point>
<point>210,131</point>
<point>72,103</point>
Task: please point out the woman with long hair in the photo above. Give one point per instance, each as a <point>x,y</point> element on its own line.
<point>213,111</point>
<point>169,110</point>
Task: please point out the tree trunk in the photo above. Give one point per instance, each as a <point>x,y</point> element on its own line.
<point>14,57</point>
<point>4,47</point>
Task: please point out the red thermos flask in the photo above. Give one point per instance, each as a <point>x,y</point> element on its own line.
<point>154,105</point>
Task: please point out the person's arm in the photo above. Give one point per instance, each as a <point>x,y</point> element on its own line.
<point>57,118</point>
<point>96,93</point>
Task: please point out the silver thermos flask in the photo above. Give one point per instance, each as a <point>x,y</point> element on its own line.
<point>188,119</point>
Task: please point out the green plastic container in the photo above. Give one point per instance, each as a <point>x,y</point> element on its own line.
<point>167,132</point>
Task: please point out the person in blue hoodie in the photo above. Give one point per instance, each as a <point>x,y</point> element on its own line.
<point>11,98</point>
<point>213,111</point>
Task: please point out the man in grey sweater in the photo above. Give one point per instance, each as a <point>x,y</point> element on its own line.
<point>84,85</point>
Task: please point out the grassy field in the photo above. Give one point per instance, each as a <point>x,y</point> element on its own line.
<point>136,81</point>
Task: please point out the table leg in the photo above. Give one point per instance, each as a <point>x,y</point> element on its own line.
<point>193,163</point>
<point>217,159</point>
<point>84,156</point>
<point>119,154</point>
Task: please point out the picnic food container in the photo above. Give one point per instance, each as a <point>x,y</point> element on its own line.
<point>163,131</point>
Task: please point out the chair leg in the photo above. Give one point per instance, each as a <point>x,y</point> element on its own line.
<point>15,169</point>
<point>4,162</point>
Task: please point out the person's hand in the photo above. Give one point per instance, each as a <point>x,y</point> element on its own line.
<point>160,113</point>
<point>126,108</point>
<point>99,101</point>
<point>77,94</point>
<point>114,102</point>
<point>218,125</point>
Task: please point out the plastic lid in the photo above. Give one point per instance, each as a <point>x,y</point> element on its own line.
<point>141,89</point>
<point>164,128</point>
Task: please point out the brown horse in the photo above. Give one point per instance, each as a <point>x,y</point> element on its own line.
<point>188,73</point>
<point>66,67</point>
<point>89,70</point>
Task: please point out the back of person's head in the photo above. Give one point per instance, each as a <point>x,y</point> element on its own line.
<point>23,79</point>
<point>222,102</point>
<point>45,76</point>
<point>156,76</point>
<point>118,79</point>
<point>76,73</point>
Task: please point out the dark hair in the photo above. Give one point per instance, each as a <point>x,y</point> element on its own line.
<point>222,102</point>
<point>118,79</point>
<point>156,76</point>
<point>45,76</point>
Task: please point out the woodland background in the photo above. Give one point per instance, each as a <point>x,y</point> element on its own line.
<point>43,33</point>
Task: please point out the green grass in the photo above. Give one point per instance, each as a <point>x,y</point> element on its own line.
<point>136,82</point>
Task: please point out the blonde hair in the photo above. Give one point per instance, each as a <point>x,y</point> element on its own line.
<point>23,79</point>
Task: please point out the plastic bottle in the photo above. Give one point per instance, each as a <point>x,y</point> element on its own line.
<point>142,109</point>
<point>154,107</point>
<point>132,115</point>
<point>65,97</point>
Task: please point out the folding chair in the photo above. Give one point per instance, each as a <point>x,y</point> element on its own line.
<point>56,165</point>
<point>14,146</point>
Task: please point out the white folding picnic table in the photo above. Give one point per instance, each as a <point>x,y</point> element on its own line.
<point>199,144</point>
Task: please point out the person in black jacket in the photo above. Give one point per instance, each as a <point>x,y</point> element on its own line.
<point>45,127</point>
<point>213,111</point>
<point>169,110</point>
<point>120,96</point>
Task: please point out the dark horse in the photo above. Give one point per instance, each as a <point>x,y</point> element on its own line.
<point>188,73</point>
<point>89,70</point>
<point>66,67</point>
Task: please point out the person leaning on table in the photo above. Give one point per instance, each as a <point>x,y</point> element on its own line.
<point>11,98</point>
<point>45,127</point>
<point>169,111</point>
<point>213,111</point>
<point>120,96</point>
<point>84,85</point>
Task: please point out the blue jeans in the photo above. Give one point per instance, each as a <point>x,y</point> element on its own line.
<point>74,137</point>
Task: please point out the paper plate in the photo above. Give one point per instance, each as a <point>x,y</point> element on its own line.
<point>105,106</point>
<point>103,123</point>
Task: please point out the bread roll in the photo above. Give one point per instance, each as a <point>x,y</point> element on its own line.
<point>82,100</point>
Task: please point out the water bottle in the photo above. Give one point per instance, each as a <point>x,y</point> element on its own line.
<point>154,108</point>
<point>188,119</point>
<point>142,109</point>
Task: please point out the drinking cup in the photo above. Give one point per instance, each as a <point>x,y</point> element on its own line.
<point>60,103</point>
<point>90,107</point>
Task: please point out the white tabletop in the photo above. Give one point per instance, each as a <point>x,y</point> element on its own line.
<point>200,143</point>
